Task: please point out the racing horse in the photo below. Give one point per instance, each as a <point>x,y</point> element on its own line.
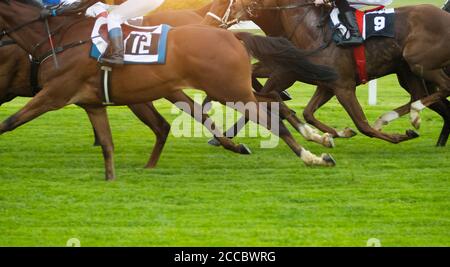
<point>15,82</point>
<point>411,55</point>
<point>16,67</point>
<point>222,72</point>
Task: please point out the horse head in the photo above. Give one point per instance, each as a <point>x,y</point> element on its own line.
<point>219,14</point>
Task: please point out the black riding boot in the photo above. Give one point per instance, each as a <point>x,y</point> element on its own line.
<point>352,25</point>
<point>116,56</point>
<point>447,6</point>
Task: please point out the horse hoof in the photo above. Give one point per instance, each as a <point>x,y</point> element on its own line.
<point>416,123</point>
<point>109,178</point>
<point>285,96</point>
<point>412,134</point>
<point>329,161</point>
<point>244,149</point>
<point>214,142</point>
<point>328,140</point>
<point>349,132</point>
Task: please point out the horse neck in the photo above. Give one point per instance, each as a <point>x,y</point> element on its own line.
<point>30,35</point>
<point>298,24</point>
<point>270,23</point>
<point>203,10</point>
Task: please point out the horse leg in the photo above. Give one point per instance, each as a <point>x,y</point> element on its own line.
<point>99,120</point>
<point>180,99</point>
<point>96,139</point>
<point>438,77</point>
<point>415,87</point>
<point>153,119</point>
<point>443,108</point>
<point>304,129</point>
<point>37,106</point>
<point>321,96</point>
<point>252,107</point>
<point>348,100</point>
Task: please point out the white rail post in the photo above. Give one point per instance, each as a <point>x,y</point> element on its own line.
<point>373,92</point>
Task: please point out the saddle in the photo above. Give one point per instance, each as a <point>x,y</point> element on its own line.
<point>143,45</point>
<point>378,22</point>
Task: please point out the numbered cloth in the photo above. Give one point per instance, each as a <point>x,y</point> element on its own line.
<point>143,45</point>
<point>378,23</point>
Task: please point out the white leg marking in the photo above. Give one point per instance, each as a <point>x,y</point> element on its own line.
<point>416,108</point>
<point>310,159</point>
<point>311,134</point>
<point>385,120</point>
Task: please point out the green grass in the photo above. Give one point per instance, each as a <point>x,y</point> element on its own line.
<point>52,188</point>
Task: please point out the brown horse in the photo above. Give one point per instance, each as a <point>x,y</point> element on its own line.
<point>404,55</point>
<point>15,82</point>
<point>222,71</point>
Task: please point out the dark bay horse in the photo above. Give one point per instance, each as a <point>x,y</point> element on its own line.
<point>222,71</point>
<point>410,55</point>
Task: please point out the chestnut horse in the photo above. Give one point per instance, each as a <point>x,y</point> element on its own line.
<point>404,55</point>
<point>222,71</point>
<point>15,82</point>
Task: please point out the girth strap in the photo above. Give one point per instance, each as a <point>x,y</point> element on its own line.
<point>36,63</point>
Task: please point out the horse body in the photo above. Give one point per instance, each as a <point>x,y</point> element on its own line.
<point>299,22</point>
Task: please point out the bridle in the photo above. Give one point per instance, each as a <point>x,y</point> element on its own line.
<point>225,21</point>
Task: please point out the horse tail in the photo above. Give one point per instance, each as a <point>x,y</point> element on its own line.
<point>280,53</point>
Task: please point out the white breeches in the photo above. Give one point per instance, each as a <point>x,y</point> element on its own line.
<point>131,9</point>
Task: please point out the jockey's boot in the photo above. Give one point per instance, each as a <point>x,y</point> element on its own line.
<point>447,6</point>
<point>116,42</point>
<point>355,36</point>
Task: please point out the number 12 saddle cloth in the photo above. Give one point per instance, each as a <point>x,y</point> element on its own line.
<point>143,45</point>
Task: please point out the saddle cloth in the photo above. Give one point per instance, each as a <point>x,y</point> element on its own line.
<point>374,23</point>
<point>143,45</point>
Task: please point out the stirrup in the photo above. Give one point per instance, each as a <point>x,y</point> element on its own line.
<point>352,41</point>
<point>116,60</point>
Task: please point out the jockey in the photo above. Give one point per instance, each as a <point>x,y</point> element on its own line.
<point>125,11</point>
<point>350,17</point>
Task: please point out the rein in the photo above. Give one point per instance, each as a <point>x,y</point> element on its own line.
<point>290,6</point>
<point>7,42</point>
<point>35,60</point>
